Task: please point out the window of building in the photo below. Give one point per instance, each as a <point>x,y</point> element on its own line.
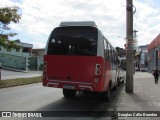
<point>9,49</point>
<point>17,49</point>
<point>26,50</point>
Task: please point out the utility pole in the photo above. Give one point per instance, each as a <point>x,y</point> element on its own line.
<point>129,49</point>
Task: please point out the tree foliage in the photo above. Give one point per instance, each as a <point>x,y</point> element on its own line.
<point>121,52</point>
<point>8,15</point>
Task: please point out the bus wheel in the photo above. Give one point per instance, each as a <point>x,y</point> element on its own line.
<point>123,81</point>
<point>107,94</point>
<point>87,92</point>
<point>118,81</point>
<point>69,93</point>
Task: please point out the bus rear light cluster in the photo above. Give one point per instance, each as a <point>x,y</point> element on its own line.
<point>96,81</point>
<point>98,66</point>
<point>98,71</point>
<point>45,66</point>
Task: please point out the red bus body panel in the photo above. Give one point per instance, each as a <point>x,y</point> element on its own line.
<point>77,71</point>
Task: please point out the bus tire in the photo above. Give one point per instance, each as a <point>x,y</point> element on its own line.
<point>69,93</point>
<point>107,94</point>
<point>87,92</point>
<point>118,81</point>
<point>116,86</point>
<point>123,81</point>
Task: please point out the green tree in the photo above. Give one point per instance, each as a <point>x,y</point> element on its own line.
<point>8,15</point>
<point>121,52</point>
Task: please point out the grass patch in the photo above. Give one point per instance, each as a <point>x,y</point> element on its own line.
<point>19,81</point>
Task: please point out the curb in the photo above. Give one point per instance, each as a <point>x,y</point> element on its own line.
<point>17,70</point>
<point>18,85</point>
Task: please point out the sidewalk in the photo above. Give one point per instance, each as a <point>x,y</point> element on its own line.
<point>9,74</point>
<point>13,69</point>
<point>146,97</point>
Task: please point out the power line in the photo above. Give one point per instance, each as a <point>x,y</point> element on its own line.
<point>44,19</point>
<point>59,12</point>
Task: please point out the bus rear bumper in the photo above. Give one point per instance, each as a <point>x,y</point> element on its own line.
<point>66,84</point>
<point>79,86</point>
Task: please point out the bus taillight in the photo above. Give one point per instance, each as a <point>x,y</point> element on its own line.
<point>98,70</point>
<point>45,66</point>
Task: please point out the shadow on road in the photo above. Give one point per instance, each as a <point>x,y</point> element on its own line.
<point>83,105</point>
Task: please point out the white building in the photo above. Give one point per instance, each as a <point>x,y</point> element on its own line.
<point>16,58</point>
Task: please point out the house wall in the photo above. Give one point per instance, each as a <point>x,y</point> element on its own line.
<point>141,58</point>
<point>33,63</point>
<point>154,58</point>
<point>13,61</point>
<point>144,61</point>
<point>39,54</point>
<point>17,59</point>
<point>14,52</point>
<point>40,59</point>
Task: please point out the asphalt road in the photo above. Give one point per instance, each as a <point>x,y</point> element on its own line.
<point>35,97</point>
<point>8,74</point>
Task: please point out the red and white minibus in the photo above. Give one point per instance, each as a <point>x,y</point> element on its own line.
<point>79,58</point>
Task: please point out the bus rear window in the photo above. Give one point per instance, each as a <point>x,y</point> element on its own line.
<point>77,41</point>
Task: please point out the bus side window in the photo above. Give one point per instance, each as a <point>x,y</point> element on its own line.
<point>113,56</point>
<point>117,61</point>
<point>108,52</point>
<point>105,48</point>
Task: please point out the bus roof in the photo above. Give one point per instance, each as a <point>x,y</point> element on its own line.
<point>78,23</point>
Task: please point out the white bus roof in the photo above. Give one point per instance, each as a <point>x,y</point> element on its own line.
<point>78,23</point>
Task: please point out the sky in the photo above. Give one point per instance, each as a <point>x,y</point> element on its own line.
<point>40,17</point>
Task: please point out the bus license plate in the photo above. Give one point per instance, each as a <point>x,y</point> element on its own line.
<point>68,86</point>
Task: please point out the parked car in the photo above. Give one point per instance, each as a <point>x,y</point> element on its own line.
<point>137,69</point>
<point>144,69</point>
